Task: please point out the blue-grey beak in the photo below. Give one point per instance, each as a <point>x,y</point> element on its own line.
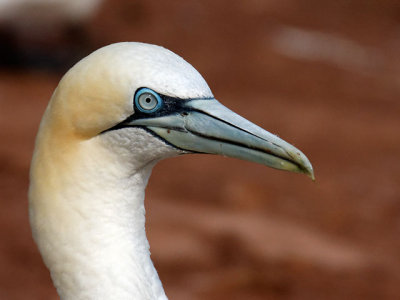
<point>206,126</point>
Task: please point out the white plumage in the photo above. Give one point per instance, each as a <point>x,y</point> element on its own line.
<point>94,154</point>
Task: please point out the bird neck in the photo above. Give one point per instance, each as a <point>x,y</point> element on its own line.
<point>88,218</point>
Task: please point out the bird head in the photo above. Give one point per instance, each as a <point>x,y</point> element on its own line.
<point>127,90</point>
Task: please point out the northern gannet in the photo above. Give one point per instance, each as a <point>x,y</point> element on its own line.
<point>113,116</point>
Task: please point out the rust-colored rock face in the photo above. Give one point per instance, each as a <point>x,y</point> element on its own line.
<point>323,75</point>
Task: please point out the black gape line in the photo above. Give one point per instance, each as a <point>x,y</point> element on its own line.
<point>173,105</point>
<point>165,141</point>
<point>170,105</point>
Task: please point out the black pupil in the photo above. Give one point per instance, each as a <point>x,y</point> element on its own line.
<point>148,100</point>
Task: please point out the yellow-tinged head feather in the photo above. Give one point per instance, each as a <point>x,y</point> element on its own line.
<point>98,91</point>
<point>97,94</point>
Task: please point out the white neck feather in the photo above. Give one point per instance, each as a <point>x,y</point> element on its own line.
<point>108,257</point>
<point>91,231</point>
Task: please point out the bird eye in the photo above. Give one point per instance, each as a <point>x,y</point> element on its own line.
<point>147,100</point>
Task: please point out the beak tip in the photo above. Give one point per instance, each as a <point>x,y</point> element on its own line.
<point>309,171</point>
<point>311,175</point>
<point>302,162</point>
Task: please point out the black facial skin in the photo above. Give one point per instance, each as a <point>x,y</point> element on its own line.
<point>170,105</point>
<point>174,106</point>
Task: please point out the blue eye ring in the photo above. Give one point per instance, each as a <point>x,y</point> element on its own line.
<point>147,100</point>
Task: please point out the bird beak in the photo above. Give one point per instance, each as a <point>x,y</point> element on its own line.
<point>206,126</point>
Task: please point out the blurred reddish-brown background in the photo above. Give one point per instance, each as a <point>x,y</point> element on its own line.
<point>324,75</point>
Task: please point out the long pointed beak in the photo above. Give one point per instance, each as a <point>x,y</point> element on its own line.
<point>206,126</point>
